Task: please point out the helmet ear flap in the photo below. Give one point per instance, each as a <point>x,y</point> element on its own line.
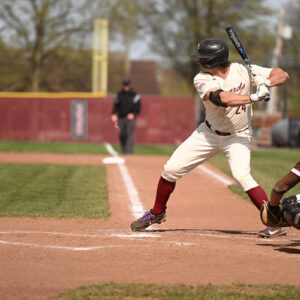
<point>215,61</point>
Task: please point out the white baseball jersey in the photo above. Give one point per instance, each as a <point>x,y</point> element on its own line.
<point>238,81</point>
<point>203,143</point>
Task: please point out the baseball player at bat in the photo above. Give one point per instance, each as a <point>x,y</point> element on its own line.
<point>224,88</point>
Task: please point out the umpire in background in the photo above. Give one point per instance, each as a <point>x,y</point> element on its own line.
<point>126,107</point>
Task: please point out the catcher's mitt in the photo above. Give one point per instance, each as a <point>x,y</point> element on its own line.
<point>291,210</point>
<point>272,216</point>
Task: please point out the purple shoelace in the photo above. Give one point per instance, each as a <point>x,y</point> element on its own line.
<point>268,228</point>
<point>147,216</point>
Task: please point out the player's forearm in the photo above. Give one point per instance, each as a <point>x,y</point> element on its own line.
<point>285,184</point>
<point>275,198</point>
<point>232,100</point>
<point>278,77</point>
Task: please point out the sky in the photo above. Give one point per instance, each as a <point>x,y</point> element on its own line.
<point>275,3</point>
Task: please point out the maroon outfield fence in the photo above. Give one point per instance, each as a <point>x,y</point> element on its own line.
<point>84,118</point>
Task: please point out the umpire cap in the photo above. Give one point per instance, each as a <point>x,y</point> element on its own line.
<point>126,82</point>
<point>214,52</point>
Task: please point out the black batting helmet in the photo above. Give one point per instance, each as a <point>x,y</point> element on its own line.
<point>213,51</point>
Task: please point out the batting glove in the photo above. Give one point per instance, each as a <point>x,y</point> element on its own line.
<point>259,80</point>
<point>261,92</point>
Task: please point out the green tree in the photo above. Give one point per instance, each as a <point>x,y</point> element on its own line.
<point>125,19</point>
<point>13,75</point>
<point>177,26</point>
<point>67,69</point>
<point>38,27</point>
<point>290,60</point>
<point>48,35</point>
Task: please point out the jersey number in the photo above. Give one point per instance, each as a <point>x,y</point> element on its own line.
<point>242,107</point>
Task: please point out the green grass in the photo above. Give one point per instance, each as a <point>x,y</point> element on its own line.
<point>80,148</point>
<point>52,147</point>
<point>150,149</point>
<point>267,167</point>
<point>45,190</point>
<point>111,291</point>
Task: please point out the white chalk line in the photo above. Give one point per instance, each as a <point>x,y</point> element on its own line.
<point>51,233</point>
<point>110,149</point>
<point>130,236</point>
<point>58,247</point>
<point>219,177</point>
<point>92,248</point>
<point>135,235</point>
<point>106,233</point>
<point>2,242</point>
<point>136,207</point>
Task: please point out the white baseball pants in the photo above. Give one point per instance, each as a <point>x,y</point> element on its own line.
<point>202,144</point>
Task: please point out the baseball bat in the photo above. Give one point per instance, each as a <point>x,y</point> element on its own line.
<point>236,41</point>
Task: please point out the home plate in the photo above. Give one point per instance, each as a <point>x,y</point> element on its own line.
<point>113,160</point>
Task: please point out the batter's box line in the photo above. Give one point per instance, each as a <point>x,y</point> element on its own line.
<point>52,233</point>
<point>56,247</point>
<point>90,248</point>
<point>105,233</point>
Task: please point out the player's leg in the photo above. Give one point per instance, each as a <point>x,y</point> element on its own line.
<point>196,149</point>
<point>122,134</point>
<point>129,142</point>
<point>237,151</point>
<point>200,146</point>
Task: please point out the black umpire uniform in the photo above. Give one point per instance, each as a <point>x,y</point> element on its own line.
<point>126,107</point>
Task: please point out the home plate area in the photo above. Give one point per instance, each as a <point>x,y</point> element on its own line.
<point>106,239</point>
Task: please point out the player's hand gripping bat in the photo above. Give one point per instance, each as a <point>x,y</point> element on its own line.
<point>234,37</point>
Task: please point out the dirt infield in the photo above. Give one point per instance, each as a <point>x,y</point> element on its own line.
<point>210,237</point>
